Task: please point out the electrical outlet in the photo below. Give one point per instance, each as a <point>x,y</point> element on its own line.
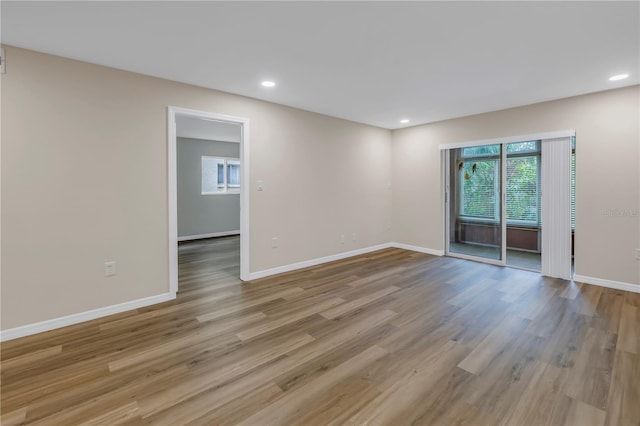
<point>637,254</point>
<point>109,269</point>
<point>354,237</point>
<point>342,239</point>
<point>274,242</point>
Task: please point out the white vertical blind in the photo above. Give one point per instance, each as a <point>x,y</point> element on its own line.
<point>556,207</point>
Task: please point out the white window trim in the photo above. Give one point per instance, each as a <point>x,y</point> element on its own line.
<point>509,139</point>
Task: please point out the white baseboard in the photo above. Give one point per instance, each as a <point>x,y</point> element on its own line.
<point>339,256</point>
<point>212,235</point>
<point>618,285</point>
<point>418,249</point>
<point>39,327</point>
<point>314,262</point>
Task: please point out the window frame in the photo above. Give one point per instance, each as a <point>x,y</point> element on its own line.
<point>226,188</point>
<point>530,223</point>
<point>497,211</point>
<point>496,189</point>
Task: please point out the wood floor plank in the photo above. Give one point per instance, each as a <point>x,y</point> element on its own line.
<point>493,345</point>
<point>391,406</point>
<point>188,341</point>
<point>586,301</point>
<point>502,382</point>
<point>472,291</point>
<point>287,407</point>
<point>354,304</point>
<point>24,360</point>
<point>97,411</point>
<point>206,406</point>
<point>608,311</point>
<point>248,304</point>
<point>628,334</point>
<point>116,416</point>
<point>584,415</point>
<point>13,418</point>
<point>195,385</point>
<point>590,376</point>
<point>267,326</point>
<point>236,410</point>
<point>226,405</point>
<point>566,338</point>
<point>118,390</point>
<point>542,401</point>
<point>623,407</point>
<point>389,337</point>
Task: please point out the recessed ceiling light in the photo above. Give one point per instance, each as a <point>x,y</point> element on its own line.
<point>268,83</point>
<point>404,121</point>
<point>618,77</point>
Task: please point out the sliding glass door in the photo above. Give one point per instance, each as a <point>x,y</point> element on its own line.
<point>512,203</point>
<point>523,205</point>
<point>495,203</point>
<point>475,212</point>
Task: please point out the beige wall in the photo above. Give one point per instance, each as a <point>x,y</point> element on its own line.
<point>607,128</point>
<point>84,172</point>
<point>84,181</point>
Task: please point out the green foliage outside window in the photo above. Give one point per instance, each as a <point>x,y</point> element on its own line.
<point>479,189</point>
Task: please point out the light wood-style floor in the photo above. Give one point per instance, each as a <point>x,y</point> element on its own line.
<point>392,337</point>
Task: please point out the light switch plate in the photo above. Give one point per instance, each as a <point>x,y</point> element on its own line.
<point>109,269</point>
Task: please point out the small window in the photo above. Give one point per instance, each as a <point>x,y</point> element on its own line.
<point>233,174</point>
<point>220,175</point>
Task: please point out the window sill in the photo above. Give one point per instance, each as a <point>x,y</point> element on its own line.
<point>221,193</point>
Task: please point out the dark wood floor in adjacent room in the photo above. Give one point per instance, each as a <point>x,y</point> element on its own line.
<point>392,337</point>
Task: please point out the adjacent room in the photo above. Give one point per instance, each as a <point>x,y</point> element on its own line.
<point>274,213</point>
<point>208,196</point>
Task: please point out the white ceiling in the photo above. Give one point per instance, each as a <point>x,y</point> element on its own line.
<point>371,62</point>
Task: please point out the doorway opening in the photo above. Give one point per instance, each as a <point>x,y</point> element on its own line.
<point>217,179</point>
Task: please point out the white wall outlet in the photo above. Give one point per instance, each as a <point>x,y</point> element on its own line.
<point>354,237</point>
<point>109,269</point>
<point>341,238</point>
<point>637,254</point>
<point>274,242</point>
<point>260,185</point>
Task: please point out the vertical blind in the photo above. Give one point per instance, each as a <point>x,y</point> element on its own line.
<point>556,207</point>
<point>523,183</point>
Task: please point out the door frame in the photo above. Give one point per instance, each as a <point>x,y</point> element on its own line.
<point>503,141</point>
<point>503,209</point>
<point>172,176</point>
